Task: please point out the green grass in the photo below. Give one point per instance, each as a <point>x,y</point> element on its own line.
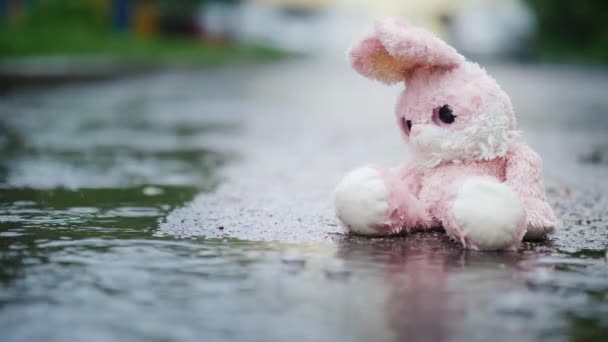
<point>571,31</point>
<point>79,41</point>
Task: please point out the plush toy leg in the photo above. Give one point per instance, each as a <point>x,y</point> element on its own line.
<point>485,214</point>
<point>538,233</point>
<point>540,217</point>
<point>370,202</point>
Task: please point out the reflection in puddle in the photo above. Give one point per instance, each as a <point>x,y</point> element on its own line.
<point>435,292</point>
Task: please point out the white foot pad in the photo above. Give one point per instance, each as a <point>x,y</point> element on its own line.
<point>488,212</point>
<point>361,201</point>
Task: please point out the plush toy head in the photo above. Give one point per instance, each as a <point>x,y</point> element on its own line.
<point>451,109</point>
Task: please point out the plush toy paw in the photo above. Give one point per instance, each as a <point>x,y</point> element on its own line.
<point>361,201</point>
<point>541,219</point>
<point>489,214</point>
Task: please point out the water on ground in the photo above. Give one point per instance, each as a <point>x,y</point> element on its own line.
<point>196,206</point>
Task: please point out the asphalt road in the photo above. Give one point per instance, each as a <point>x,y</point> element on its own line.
<point>196,205</point>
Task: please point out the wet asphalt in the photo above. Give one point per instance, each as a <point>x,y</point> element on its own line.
<point>197,206</point>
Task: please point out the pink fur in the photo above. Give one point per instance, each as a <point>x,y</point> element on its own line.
<point>405,210</point>
<point>480,143</point>
<point>410,47</point>
<point>524,175</point>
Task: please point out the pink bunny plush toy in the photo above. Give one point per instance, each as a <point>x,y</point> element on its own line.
<point>468,173</point>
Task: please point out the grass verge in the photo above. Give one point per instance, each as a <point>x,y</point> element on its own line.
<point>31,41</point>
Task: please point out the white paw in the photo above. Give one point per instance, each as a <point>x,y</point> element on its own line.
<point>488,212</point>
<point>361,201</point>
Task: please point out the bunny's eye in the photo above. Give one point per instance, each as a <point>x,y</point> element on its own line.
<point>446,115</point>
<point>443,115</point>
<point>406,125</point>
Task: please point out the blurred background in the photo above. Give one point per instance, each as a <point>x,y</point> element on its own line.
<point>166,169</point>
<point>214,31</point>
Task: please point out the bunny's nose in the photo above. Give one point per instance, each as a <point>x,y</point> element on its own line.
<point>416,130</point>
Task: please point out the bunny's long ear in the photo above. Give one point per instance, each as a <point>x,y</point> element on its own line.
<point>395,49</point>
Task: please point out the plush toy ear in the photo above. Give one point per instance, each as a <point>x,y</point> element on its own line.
<point>395,49</point>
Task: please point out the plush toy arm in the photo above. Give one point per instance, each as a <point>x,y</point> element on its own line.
<point>374,201</point>
<point>524,175</point>
<point>409,177</point>
<point>406,210</point>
